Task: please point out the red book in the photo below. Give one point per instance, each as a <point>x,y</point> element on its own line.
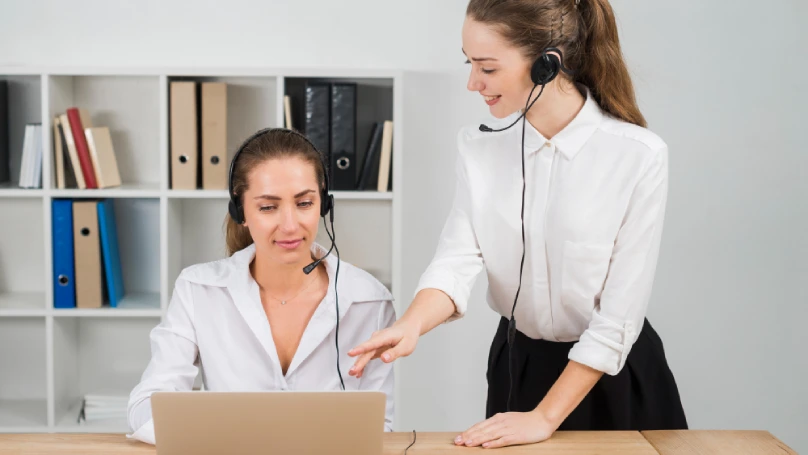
<point>82,150</point>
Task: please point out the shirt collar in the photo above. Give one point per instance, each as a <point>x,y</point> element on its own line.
<point>235,272</point>
<point>572,138</point>
<point>246,297</point>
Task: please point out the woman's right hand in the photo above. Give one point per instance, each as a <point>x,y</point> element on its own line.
<point>396,341</point>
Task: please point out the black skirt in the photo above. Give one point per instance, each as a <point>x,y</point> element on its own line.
<point>642,396</point>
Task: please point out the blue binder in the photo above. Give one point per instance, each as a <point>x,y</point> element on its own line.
<point>109,252</point>
<point>64,285</point>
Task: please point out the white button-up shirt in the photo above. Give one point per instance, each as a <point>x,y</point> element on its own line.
<point>594,208</point>
<point>216,317</point>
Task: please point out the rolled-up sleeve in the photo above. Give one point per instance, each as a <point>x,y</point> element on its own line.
<point>457,261</point>
<point>172,367</point>
<point>617,321</point>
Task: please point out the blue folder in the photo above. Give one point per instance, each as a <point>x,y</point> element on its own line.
<point>64,276</point>
<point>109,252</point>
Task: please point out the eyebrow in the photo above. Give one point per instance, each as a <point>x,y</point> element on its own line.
<point>272,197</point>
<point>480,59</point>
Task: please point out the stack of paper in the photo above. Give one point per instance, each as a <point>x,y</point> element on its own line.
<point>31,162</point>
<point>104,409</point>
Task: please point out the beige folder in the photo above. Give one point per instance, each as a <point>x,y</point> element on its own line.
<point>58,155</point>
<point>386,154</point>
<point>102,155</point>
<point>184,151</point>
<point>87,252</point>
<point>214,136</point>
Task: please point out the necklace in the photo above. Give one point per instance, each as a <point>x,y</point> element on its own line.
<point>283,302</point>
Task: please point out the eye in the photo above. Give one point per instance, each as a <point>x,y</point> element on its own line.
<point>468,62</point>
<point>305,204</point>
<point>485,71</point>
<point>266,208</point>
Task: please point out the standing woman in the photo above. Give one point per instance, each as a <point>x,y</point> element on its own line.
<point>565,214</point>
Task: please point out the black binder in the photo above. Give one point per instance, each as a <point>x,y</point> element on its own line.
<point>343,136</point>
<point>370,165</point>
<point>5,157</point>
<point>317,111</point>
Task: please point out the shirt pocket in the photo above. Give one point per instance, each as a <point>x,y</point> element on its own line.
<point>583,273</point>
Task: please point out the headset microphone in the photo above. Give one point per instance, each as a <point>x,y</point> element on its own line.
<point>307,269</point>
<point>487,129</point>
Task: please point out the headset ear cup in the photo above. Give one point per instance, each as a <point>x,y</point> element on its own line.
<point>326,204</point>
<point>545,69</point>
<point>235,212</point>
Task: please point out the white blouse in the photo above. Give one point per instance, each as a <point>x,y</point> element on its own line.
<point>594,209</point>
<point>215,321</point>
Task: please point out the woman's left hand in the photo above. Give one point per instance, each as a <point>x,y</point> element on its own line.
<point>511,428</point>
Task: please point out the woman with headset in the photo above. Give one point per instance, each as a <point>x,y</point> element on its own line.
<point>269,316</point>
<point>565,214</point>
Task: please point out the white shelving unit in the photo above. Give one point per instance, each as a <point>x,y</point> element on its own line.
<point>52,357</point>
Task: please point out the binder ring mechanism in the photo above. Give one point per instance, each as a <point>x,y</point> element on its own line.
<point>343,163</point>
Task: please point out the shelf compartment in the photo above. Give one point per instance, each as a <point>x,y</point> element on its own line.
<point>23,396</point>
<point>100,355</point>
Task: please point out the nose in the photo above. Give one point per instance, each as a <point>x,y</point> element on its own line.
<point>475,84</point>
<point>289,221</point>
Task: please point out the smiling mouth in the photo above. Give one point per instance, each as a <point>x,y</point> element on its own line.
<point>491,100</point>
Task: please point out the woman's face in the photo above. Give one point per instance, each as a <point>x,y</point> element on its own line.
<point>282,209</point>
<point>499,71</point>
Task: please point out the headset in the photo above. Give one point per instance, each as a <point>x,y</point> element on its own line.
<point>546,68</point>
<point>236,211</point>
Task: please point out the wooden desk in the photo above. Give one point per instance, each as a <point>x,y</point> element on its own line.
<point>687,442</point>
<point>565,443</point>
<point>692,442</point>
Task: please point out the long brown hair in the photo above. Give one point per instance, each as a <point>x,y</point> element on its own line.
<point>586,33</point>
<point>271,145</point>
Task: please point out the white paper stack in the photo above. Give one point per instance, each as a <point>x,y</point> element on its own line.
<point>31,162</point>
<point>105,408</point>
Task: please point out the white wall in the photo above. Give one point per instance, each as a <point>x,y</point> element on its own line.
<point>721,82</point>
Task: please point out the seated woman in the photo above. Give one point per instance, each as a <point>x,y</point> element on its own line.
<point>255,320</point>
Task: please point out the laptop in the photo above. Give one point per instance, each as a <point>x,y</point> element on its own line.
<point>271,422</point>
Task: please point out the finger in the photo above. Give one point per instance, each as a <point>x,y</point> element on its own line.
<point>486,434</point>
<point>402,349</point>
<point>359,365</point>
<point>506,440</point>
<point>378,340</point>
<point>477,429</point>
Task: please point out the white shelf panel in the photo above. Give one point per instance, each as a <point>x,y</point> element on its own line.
<point>197,194</point>
<point>363,195</point>
<point>132,305</point>
<point>136,190</point>
<point>9,190</point>
<point>16,414</point>
<point>67,422</point>
<point>22,304</point>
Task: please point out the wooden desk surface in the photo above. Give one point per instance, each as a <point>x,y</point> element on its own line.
<point>692,442</point>
<point>566,443</point>
<point>605,443</point>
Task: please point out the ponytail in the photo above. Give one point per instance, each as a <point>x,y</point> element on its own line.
<point>603,69</point>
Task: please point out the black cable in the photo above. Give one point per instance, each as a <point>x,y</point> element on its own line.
<point>512,322</point>
<point>332,237</point>
<point>412,443</point>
